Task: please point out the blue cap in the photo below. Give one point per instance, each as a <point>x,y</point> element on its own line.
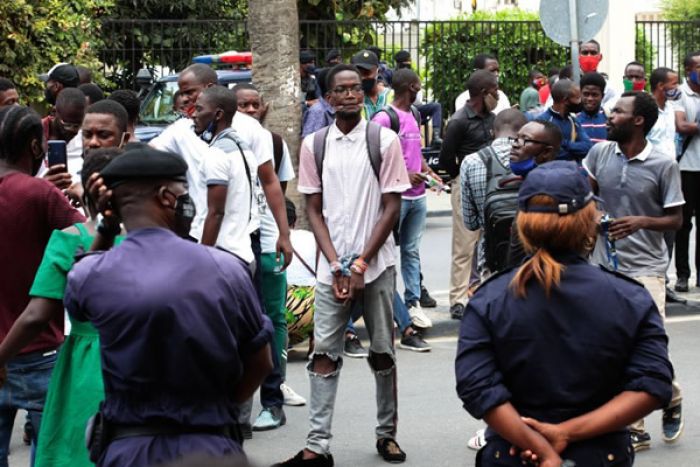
<point>561,180</point>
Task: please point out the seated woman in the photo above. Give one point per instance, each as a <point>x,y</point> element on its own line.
<point>76,387</point>
<point>578,350</point>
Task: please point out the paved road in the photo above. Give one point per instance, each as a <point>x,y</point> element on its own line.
<point>433,426</point>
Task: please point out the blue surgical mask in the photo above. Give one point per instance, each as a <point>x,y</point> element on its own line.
<point>522,168</point>
<point>208,134</point>
<point>694,78</point>
<point>673,94</point>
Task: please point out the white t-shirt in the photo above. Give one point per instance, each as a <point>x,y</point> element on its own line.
<point>663,134</point>
<point>503,102</point>
<point>181,139</point>
<point>304,243</point>
<point>268,227</point>
<point>227,167</point>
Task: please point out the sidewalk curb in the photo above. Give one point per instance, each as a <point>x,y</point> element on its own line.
<point>439,213</point>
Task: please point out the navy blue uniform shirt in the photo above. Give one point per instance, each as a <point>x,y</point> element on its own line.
<point>554,359</point>
<point>571,150</point>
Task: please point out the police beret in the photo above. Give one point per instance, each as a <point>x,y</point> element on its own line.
<point>144,162</point>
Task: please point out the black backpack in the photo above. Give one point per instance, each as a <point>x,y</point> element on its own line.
<point>394,123</point>
<point>500,207</point>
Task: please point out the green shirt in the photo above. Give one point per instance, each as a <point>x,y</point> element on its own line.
<point>529,99</point>
<point>382,101</point>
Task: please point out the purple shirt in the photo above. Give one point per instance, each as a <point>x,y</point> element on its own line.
<point>409,135</point>
<point>176,321</point>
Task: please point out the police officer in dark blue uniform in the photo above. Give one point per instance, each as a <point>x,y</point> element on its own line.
<point>578,350</point>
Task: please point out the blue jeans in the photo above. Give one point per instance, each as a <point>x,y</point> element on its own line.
<point>411,227</point>
<point>27,383</point>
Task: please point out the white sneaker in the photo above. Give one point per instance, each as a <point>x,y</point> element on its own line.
<point>291,397</point>
<point>419,318</point>
<point>477,441</point>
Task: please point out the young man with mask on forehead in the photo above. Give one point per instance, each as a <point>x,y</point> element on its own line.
<point>469,129</point>
<point>30,210</point>
<point>567,101</point>
<point>640,187</point>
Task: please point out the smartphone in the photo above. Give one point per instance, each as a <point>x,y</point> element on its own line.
<point>57,153</point>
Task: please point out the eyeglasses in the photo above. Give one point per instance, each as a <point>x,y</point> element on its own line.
<point>354,89</point>
<point>75,127</point>
<point>523,141</point>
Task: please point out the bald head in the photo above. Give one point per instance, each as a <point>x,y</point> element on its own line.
<point>480,82</point>
<point>192,81</point>
<point>563,89</point>
<point>508,122</point>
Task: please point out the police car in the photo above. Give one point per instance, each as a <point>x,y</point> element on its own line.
<point>157,110</point>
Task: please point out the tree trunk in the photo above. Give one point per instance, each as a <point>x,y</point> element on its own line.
<point>273,26</point>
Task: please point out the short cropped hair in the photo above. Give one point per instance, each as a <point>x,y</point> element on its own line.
<point>113,108</point>
<point>644,106</point>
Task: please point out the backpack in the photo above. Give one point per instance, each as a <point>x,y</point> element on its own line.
<point>394,123</point>
<point>500,207</point>
<point>277,151</point>
<point>373,136</point>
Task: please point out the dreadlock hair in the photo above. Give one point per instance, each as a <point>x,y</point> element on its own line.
<point>543,233</point>
<point>18,127</point>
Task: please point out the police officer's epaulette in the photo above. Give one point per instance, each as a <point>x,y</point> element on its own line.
<point>621,275</point>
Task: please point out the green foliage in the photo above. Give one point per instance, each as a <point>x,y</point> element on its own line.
<point>645,51</point>
<point>348,9</point>
<point>681,10</point>
<point>515,37</point>
<point>37,34</point>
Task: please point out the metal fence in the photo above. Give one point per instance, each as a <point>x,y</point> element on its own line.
<point>665,43</point>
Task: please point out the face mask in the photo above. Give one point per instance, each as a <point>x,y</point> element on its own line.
<point>490,102</point>
<point>538,83</point>
<point>185,211</point>
<point>310,68</point>
<point>368,84</point>
<point>673,94</point>
<point>694,78</point>
<point>404,65</point>
<point>48,95</point>
<point>589,63</point>
<point>208,134</point>
<point>575,108</point>
<point>631,85</point>
<point>523,167</point>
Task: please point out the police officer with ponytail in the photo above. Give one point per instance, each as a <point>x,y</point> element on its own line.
<point>559,356</point>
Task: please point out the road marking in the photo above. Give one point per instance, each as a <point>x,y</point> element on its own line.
<point>683,319</point>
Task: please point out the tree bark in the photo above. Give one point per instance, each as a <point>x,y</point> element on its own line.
<point>273,26</point>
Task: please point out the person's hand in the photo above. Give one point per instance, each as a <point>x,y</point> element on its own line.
<point>626,226</point>
<point>75,194</point>
<point>416,179</point>
<point>357,285</point>
<point>101,196</point>
<point>284,246</point>
<point>437,177</point>
<point>341,287</point>
<point>555,435</point>
<point>58,176</point>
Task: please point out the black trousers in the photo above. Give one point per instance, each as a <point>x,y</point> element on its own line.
<point>690,183</point>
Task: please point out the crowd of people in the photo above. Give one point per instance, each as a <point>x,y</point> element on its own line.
<point>184,277</point>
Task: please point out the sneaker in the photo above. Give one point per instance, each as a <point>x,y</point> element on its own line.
<point>291,397</point>
<point>457,311</point>
<point>390,450</point>
<point>299,461</point>
<point>426,301</point>
<point>640,441</point>
<point>269,418</point>
<point>353,348</point>
<point>414,342</point>
<point>681,285</point>
<point>672,424</point>
<point>418,316</point>
<point>477,441</point>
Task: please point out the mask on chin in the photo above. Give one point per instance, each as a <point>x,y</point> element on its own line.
<point>634,85</point>
<point>575,108</point>
<point>589,63</point>
<point>673,94</point>
<point>522,168</point>
<point>208,134</point>
<point>694,77</point>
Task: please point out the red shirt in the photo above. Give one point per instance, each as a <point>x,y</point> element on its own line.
<point>30,209</point>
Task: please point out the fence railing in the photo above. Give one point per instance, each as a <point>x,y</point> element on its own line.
<point>666,43</point>
<point>442,51</point>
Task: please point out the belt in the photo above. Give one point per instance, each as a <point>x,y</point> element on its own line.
<point>131,431</point>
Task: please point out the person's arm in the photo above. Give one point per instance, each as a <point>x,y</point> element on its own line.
<point>36,316</point>
<point>579,148</point>
<point>450,145</point>
<point>275,199</point>
<point>672,220</point>
<point>216,207</point>
<point>685,127</point>
<point>470,210</point>
<point>255,368</point>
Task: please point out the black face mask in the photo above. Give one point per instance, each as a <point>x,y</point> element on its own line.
<point>49,96</point>
<point>310,69</point>
<point>575,108</point>
<point>404,65</point>
<point>185,212</point>
<point>368,84</point>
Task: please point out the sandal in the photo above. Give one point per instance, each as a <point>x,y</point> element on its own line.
<point>390,451</point>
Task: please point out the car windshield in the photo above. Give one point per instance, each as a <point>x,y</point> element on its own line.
<point>157,107</point>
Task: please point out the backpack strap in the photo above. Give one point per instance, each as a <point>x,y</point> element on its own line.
<point>394,123</point>
<point>320,150</point>
<point>248,173</point>
<point>416,114</point>
<point>487,154</point>
<point>304,263</point>
<point>374,147</point>
<point>277,151</point>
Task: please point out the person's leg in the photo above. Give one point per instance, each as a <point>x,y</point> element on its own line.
<point>400,313</point>
<point>695,183</point>
<point>330,321</point>
<point>463,241</point>
<point>683,235</point>
<point>257,252</point>
<point>411,228</point>
<point>8,411</point>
